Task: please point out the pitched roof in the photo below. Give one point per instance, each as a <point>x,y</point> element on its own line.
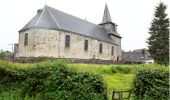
<point>136,56</point>
<point>108,20</point>
<point>51,18</point>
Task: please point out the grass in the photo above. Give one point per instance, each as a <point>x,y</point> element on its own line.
<point>118,82</point>
<point>116,77</point>
<point>113,81</point>
<point>8,64</point>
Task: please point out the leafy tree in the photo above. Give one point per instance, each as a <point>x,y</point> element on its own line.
<point>158,42</point>
<point>2,54</point>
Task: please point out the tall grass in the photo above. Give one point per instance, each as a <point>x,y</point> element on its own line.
<point>12,65</point>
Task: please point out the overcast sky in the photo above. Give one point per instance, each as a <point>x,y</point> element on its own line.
<point>132,16</point>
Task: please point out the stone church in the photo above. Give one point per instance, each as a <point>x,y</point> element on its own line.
<point>53,33</point>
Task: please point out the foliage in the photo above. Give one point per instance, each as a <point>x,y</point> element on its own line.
<point>2,54</point>
<point>159,35</point>
<point>114,77</point>
<point>34,81</point>
<point>121,69</point>
<point>50,81</point>
<point>152,84</point>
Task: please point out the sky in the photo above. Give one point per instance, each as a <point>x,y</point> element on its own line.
<point>132,16</point>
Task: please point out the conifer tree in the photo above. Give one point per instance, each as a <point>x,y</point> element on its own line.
<point>158,42</point>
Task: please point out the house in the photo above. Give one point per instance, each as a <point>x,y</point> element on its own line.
<point>137,56</point>
<point>53,33</point>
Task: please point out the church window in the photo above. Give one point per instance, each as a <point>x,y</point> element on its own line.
<point>67,41</point>
<point>118,58</point>
<point>26,39</point>
<point>86,45</point>
<point>112,50</point>
<point>100,48</point>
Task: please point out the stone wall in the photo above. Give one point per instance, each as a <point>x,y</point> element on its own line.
<point>69,60</point>
<point>117,40</point>
<point>51,43</point>
<point>41,43</point>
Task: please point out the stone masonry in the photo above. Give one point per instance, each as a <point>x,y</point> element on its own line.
<point>51,43</point>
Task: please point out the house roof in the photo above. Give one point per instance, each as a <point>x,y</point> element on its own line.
<point>136,56</point>
<point>51,18</point>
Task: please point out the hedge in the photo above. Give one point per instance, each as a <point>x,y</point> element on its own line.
<point>152,84</point>
<point>52,81</point>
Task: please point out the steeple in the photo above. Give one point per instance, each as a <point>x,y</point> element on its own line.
<point>109,26</point>
<point>106,15</point>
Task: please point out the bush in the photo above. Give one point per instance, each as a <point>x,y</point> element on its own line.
<point>121,69</point>
<point>152,84</point>
<point>52,81</point>
<point>2,54</point>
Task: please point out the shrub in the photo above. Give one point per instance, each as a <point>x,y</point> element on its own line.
<point>114,70</point>
<point>2,54</point>
<point>121,69</point>
<point>152,84</point>
<point>52,81</point>
<point>124,70</point>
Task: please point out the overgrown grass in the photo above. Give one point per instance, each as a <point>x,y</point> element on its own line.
<point>12,65</point>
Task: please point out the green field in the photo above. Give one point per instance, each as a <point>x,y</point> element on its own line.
<point>116,77</point>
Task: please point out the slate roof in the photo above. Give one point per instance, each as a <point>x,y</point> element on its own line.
<point>106,15</point>
<point>136,56</point>
<point>51,18</point>
<point>108,20</point>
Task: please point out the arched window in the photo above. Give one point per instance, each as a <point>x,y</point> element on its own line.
<point>26,39</point>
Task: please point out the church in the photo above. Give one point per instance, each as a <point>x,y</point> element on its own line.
<point>53,33</point>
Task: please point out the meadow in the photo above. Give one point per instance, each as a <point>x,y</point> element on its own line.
<point>115,77</point>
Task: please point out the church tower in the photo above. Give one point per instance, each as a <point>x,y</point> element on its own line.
<point>110,27</point>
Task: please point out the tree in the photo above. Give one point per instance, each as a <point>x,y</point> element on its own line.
<point>2,54</point>
<point>158,42</point>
